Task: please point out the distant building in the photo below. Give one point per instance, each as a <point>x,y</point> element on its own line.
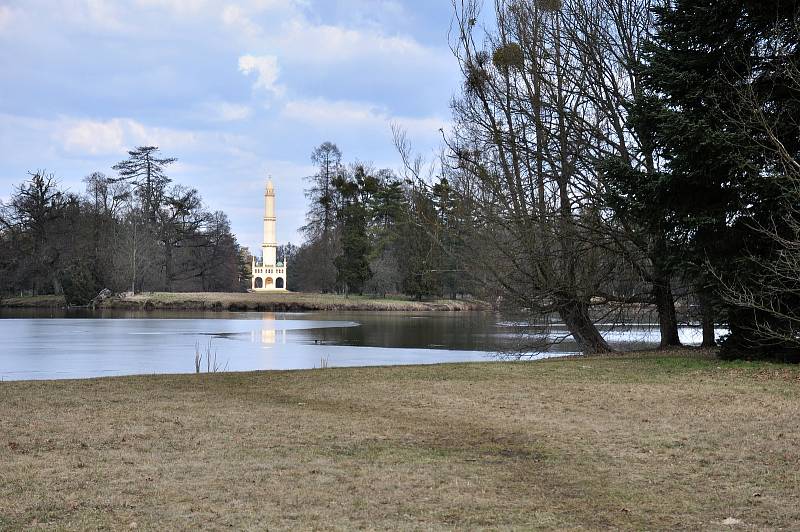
<point>269,275</point>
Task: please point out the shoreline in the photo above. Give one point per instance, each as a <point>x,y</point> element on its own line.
<point>687,352</point>
<point>246,301</point>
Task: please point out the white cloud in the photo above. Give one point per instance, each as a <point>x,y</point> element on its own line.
<point>325,114</point>
<point>323,44</point>
<point>427,127</point>
<point>230,12</point>
<point>297,40</point>
<point>238,17</point>
<point>230,112</point>
<point>375,13</point>
<point>6,16</point>
<point>105,137</point>
<point>235,18</point>
<point>266,69</point>
<point>93,137</point>
<point>105,15</point>
<point>320,112</point>
<point>181,7</point>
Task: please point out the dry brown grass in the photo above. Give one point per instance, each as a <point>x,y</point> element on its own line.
<point>679,441</point>
<point>282,301</point>
<point>264,301</point>
<point>33,302</point>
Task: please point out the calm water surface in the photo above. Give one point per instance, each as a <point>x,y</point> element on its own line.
<point>37,344</point>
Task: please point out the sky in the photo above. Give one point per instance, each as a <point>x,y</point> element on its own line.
<point>234,90</point>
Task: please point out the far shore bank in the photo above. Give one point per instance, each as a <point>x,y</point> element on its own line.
<point>262,302</point>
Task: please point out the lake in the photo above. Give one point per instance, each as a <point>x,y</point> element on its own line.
<point>45,344</point>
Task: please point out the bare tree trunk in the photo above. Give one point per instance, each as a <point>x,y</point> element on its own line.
<point>168,267</point>
<point>576,317</point>
<point>57,288</point>
<point>133,261</point>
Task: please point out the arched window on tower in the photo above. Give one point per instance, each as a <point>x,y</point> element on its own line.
<point>259,282</point>
<point>268,281</point>
<point>279,282</point>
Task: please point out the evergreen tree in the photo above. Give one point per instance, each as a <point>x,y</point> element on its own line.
<point>637,200</point>
<point>719,186</point>
<point>419,247</point>
<point>352,265</point>
<point>146,172</point>
<point>449,226</point>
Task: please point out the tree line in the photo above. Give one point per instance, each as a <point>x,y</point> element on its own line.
<point>617,154</point>
<point>610,159</point>
<point>133,231</point>
<point>371,231</point>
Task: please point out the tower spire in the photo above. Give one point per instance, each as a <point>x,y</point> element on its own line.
<point>269,245</point>
<point>268,274</point>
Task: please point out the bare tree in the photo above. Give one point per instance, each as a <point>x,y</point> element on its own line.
<point>32,219</point>
<point>609,37</point>
<point>322,193</point>
<point>519,160</point>
<point>320,225</point>
<point>180,217</point>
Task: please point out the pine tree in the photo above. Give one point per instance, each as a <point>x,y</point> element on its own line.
<point>719,185</point>
<point>352,265</point>
<point>419,247</point>
<point>146,172</point>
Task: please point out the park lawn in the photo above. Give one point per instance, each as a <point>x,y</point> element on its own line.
<point>662,441</point>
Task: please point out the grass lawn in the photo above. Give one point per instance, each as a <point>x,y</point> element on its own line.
<point>637,442</point>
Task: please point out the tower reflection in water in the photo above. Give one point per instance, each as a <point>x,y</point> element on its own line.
<point>270,334</point>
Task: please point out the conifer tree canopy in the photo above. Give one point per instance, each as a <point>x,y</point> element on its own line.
<point>712,70</point>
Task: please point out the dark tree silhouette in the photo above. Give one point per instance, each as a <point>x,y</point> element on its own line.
<point>145,170</point>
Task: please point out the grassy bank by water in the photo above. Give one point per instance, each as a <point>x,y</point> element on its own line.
<point>636,442</point>
<point>33,302</point>
<point>272,302</point>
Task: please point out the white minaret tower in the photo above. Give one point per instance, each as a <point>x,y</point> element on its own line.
<point>268,273</point>
<point>269,248</point>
